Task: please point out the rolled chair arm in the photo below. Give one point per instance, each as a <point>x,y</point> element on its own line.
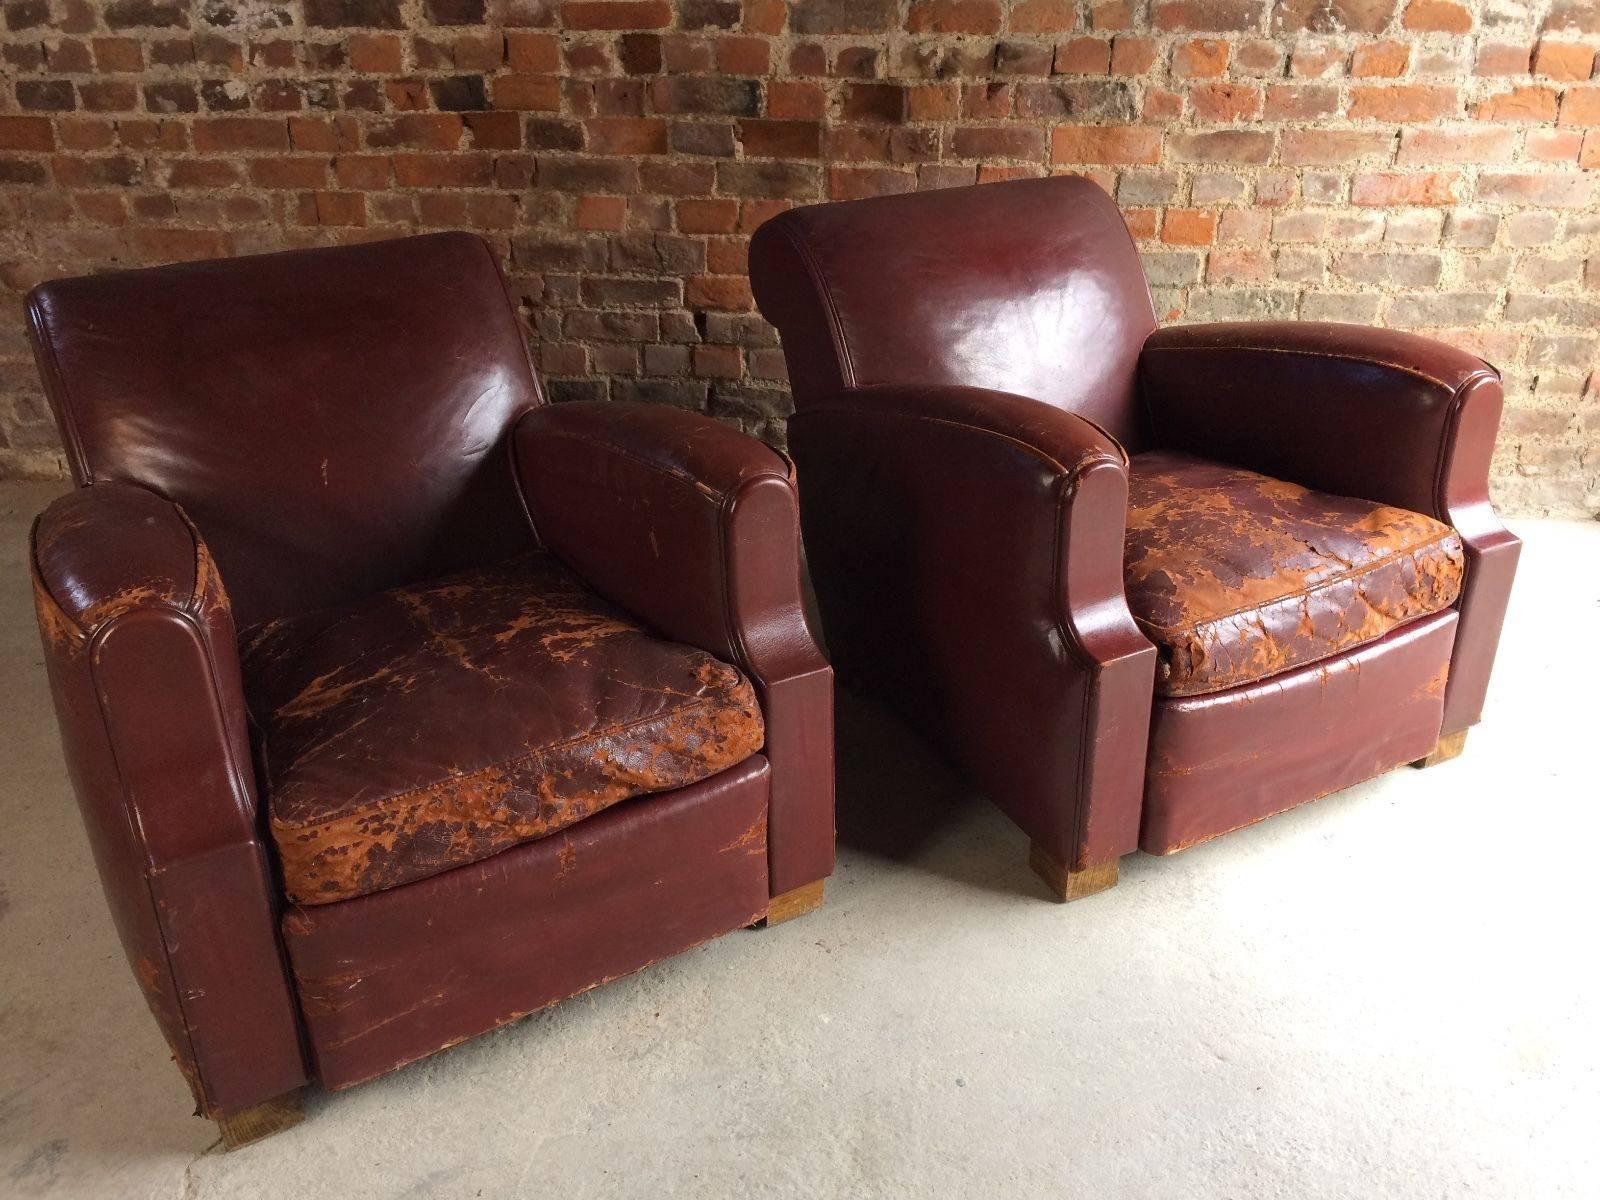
<point>140,649</point>
<point>694,527</point>
<point>968,553</point>
<point>1357,411</point>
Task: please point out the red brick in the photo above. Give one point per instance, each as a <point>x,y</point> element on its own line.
<point>375,53</point>
<point>1201,58</point>
<point>1581,106</point>
<point>616,14</point>
<point>1333,147</point>
<point>1566,61</point>
<point>1044,16</point>
<point>1520,104</point>
<point>241,133</point>
<point>26,133</point>
<point>627,135</point>
<point>1189,227</point>
<point>1437,16</point>
<point>1380,60</point>
<point>533,53</point>
<point>293,174</point>
<point>1132,55</point>
<point>1223,146</point>
<point>1222,103</point>
<point>781,139</point>
<point>1457,144</point>
<point>1112,144</point>
<point>527,93</point>
<point>1498,58</point>
<point>954,16</point>
<point>601,212</point>
<point>1403,102</point>
<point>707,216</point>
<point>1207,16</point>
<point>1387,189</point>
<point>1083,56</point>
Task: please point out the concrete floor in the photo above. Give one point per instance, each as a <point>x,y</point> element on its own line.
<point>1390,993</point>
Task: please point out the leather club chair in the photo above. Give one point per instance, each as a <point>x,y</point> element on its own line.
<point>400,703</point>
<point>1144,585</point>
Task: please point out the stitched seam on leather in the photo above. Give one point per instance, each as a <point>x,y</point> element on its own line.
<point>1301,593</point>
<point>1404,368</point>
<point>516,322</point>
<point>841,344</point>
<point>1458,403</point>
<point>1028,447</point>
<point>531,756</point>
<point>1080,814</point>
<point>72,623</point>
<point>64,413</point>
<point>131,813</point>
<point>730,624</point>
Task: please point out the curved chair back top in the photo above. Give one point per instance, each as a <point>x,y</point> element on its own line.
<point>328,418</point>
<point>1031,286</point>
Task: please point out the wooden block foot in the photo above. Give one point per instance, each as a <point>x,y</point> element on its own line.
<point>262,1121</point>
<point>1450,746</point>
<point>796,903</point>
<point>1068,884</point>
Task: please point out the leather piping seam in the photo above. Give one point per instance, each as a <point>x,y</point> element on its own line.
<point>1404,368</point>
<point>1301,593</point>
<point>1090,666</point>
<point>517,759</point>
<point>830,308</point>
<point>189,606</point>
<point>56,388</point>
<point>131,813</point>
<point>1447,444</point>
<point>516,323</point>
<point>732,629</point>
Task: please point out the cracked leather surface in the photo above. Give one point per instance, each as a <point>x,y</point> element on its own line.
<point>437,724</point>
<point>1237,576</point>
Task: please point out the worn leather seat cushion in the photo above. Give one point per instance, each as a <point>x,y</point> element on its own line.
<point>1237,576</point>
<point>440,723</point>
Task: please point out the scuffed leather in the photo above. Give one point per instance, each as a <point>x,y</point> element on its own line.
<point>1227,759</point>
<point>335,423</point>
<point>1237,577</point>
<point>915,525</point>
<point>1375,413</point>
<point>569,707</point>
<point>694,529</point>
<point>403,973</point>
<point>289,403</point>
<point>139,646</point>
<point>1031,287</point>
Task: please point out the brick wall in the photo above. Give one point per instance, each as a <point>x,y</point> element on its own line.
<point>1427,164</point>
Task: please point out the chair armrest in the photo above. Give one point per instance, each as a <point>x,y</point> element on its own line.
<point>144,668</point>
<point>694,527</point>
<point>967,548</point>
<point>126,589</point>
<point>1375,413</point>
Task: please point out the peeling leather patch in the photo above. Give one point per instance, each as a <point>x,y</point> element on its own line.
<point>437,724</point>
<point>1237,576</point>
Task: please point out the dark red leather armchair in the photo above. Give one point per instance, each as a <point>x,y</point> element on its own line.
<point>1146,586</point>
<point>399,703</point>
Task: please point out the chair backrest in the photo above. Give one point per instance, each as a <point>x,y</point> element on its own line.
<point>332,419</point>
<point>1031,286</point>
